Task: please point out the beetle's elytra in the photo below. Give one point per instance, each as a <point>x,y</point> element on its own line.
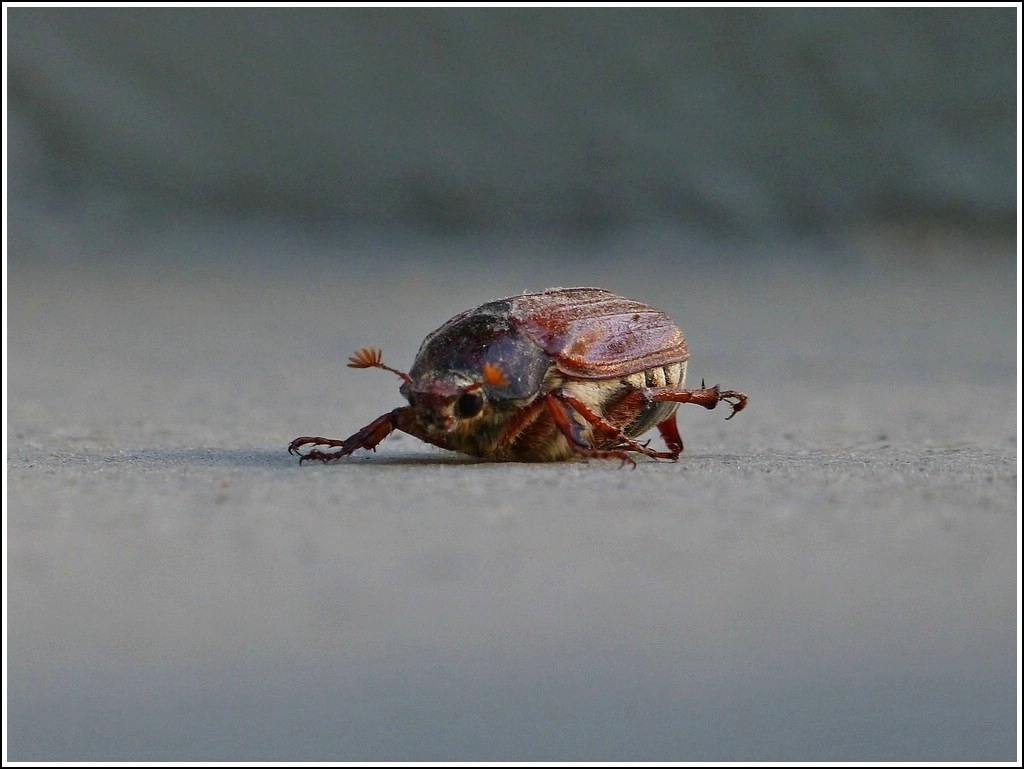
<point>553,375</point>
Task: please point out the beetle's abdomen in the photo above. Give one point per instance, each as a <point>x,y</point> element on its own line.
<point>672,375</point>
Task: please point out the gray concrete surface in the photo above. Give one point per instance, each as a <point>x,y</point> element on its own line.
<point>831,575</point>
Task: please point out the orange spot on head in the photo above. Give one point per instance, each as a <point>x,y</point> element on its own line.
<point>493,375</point>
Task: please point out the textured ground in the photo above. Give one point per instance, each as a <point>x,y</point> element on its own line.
<point>830,575</point>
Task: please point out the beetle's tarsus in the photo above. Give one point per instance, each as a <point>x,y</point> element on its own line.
<point>323,456</point>
<point>295,447</point>
<point>729,396</point>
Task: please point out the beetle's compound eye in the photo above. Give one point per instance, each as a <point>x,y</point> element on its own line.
<point>469,405</point>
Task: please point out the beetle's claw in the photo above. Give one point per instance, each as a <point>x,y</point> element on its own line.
<point>296,446</point>
<point>737,400</point>
<point>627,459</point>
<point>323,456</point>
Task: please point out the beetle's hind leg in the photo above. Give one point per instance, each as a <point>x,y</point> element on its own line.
<point>708,397</point>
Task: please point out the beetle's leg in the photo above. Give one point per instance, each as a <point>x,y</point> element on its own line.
<point>367,438</point>
<point>573,432</point>
<point>670,434</point>
<point>708,397</point>
<point>613,434</point>
<point>520,423</point>
<point>635,400</point>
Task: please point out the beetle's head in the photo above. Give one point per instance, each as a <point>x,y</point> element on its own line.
<point>471,375</point>
<point>451,400</point>
<point>445,399</point>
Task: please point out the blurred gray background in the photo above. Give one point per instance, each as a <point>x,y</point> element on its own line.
<point>741,121</point>
<point>208,210</point>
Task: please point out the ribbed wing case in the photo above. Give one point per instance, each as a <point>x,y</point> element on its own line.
<point>591,333</point>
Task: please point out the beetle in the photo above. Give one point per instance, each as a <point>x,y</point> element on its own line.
<point>545,376</point>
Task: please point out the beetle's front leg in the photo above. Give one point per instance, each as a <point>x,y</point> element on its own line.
<point>367,438</point>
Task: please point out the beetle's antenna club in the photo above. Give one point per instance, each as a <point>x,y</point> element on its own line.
<point>371,357</point>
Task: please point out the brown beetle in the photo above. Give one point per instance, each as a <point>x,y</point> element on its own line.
<point>554,375</point>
